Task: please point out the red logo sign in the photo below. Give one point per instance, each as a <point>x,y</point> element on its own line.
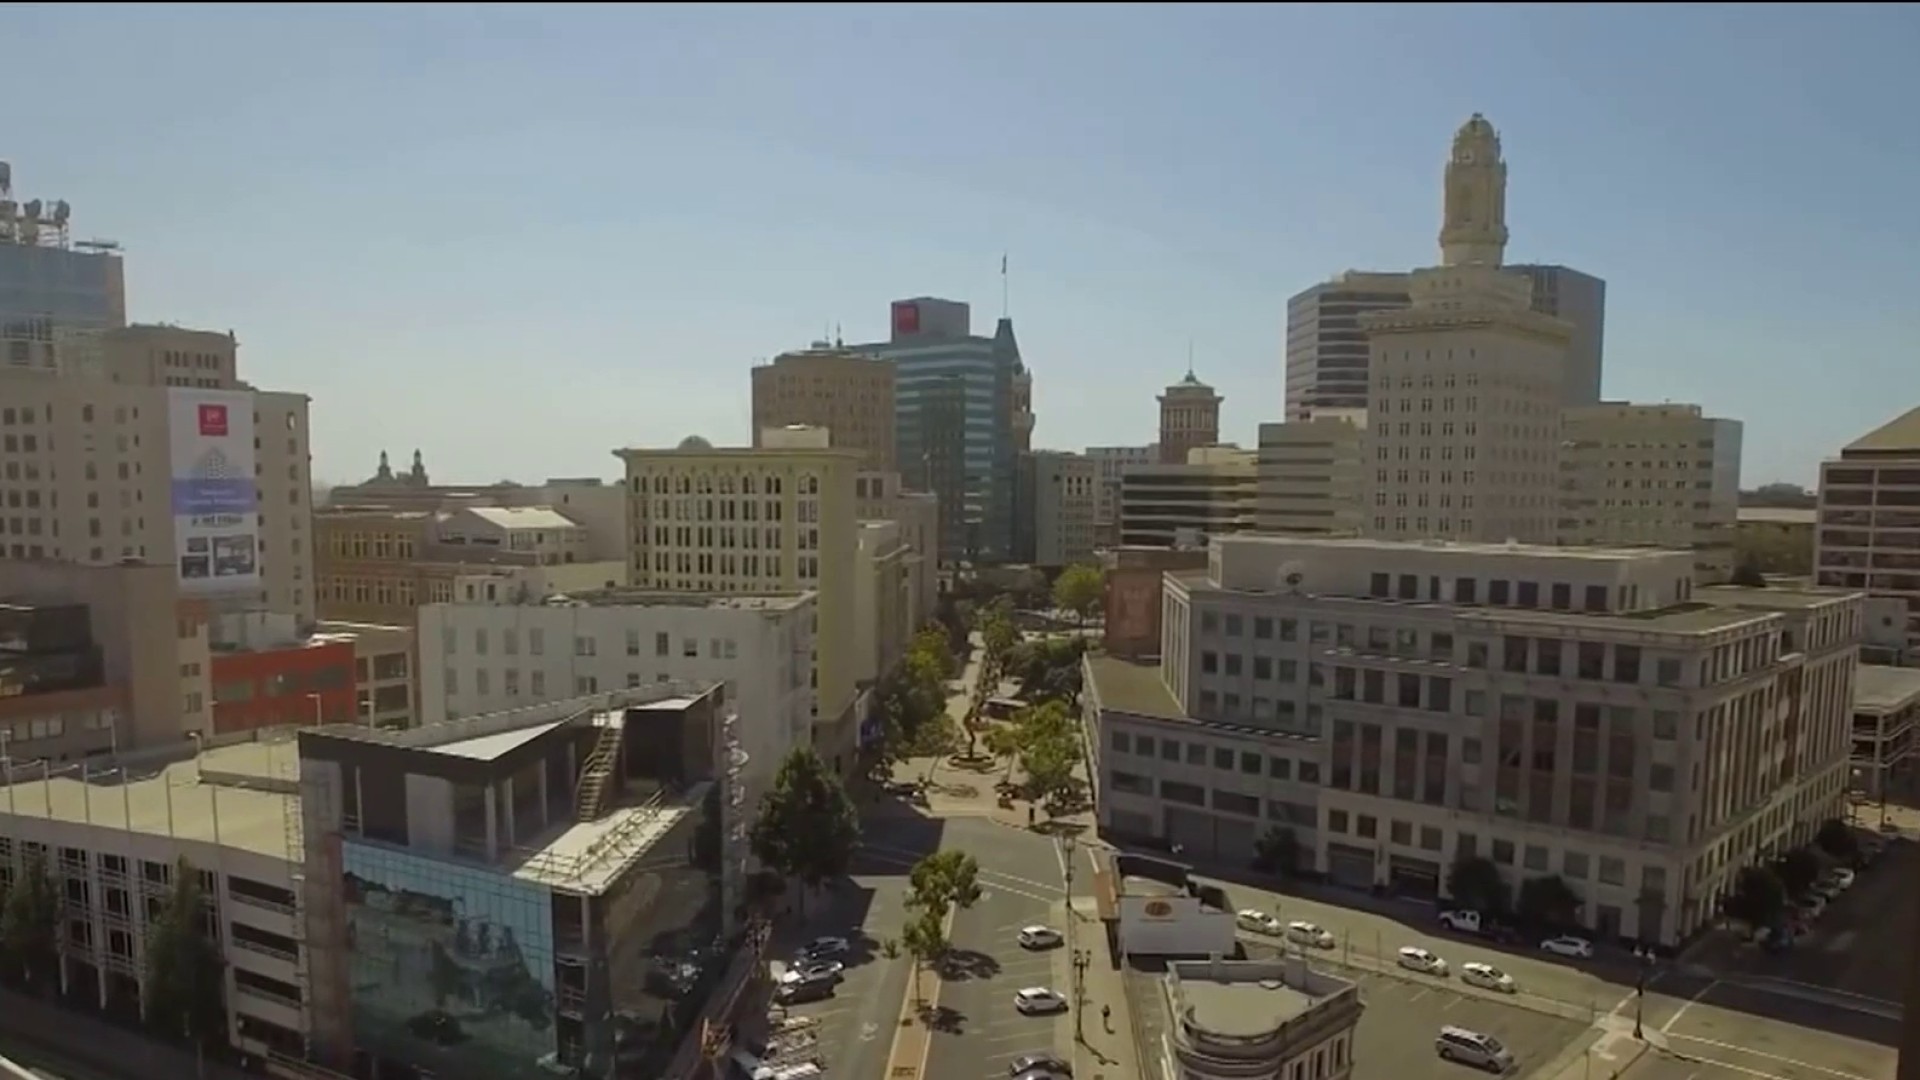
<point>213,420</point>
<point>1158,909</point>
<point>906,319</point>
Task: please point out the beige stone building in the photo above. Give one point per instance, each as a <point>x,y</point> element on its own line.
<point>385,659</point>
<point>848,393</point>
<point>1311,476</point>
<point>1583,712</point>
<point>86,460</point>
<point>1110,463</point>
<point>1463,419</point>
<point>879,496</point>
<point>1065,499</point>
<point>1869,533</point>
<point>1886,704</point>
<point>776,518</point>
<point>1212,494</point>
<point>1189,418</point>
<point>1652,475</point>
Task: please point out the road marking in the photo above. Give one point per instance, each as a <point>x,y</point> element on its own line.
<point>869,1031</point>
<point>1770,1057</point>
<point>1731,1067</point>
<point>902,856</point>
<point>1060,853</point>
<point>1667,1028</point>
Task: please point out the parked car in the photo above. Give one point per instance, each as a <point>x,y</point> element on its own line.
<point>801,991</point>
<point>1488,977</point>
<point>1039,937</point>
<point>1462,920</point>
<point>1842,877</point>
<point>1305,933</point>
<point>1259,922</point>
<point>1039,1001</point>
<point>824,948</point>
<point>813,969</point>
<point>1415,958</point>
<point>1472,1048</point>
<point>1568,945</point>
<point>1027,1063</point>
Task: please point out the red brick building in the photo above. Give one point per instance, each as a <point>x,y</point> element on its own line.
<point>303,683</point>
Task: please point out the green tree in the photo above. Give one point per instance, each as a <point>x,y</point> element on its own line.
<point>943,881</point>
<point>1757,898</point>
<point>1003,742</point>
<point>1836,839</point>
<point>186,975</point>
<point>1277,851</point>
<point>1080,589</point>
<point>1050,754</point>
<point>1797,870</point>
<point>936,738</point>
<point>1548,901</point>
<point>807,826</point>
<point>1474,883</point>
<point>925,939</point>
<point>30,925</point>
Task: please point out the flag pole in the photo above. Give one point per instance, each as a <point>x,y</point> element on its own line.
<point>1006,304</point>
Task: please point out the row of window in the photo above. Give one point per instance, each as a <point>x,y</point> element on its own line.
<point>1223,759</point>
<point>583,644</point>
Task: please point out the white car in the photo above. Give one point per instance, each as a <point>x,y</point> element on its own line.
<point>1462,920</point>
<point>1259,922</point>
<point>1842,877</point>
<point>1568,945</point>
<point>1039,1001</point>
<point>822,948</point>
<point>812,970</point>
<point>1488,976</point>
<point>1039,937</point>
<point>1306,933</point>
<point>1415,958</point>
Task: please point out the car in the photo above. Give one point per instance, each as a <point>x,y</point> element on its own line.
<point>1825,890</point>
<point>1842,877</point>
<point>1302,932</point>
<point>1488,977</point>
<point>1259,922</point>
<point>1039,1001</point>
<point>802,991</point>
<point>823,948</point>
<point>1039,937</point>
<point>1049,1063</point>
<point>1462,920</point>
<point>1568,945</point>
<point>1472,1048</point>
<point>813,969</point>
<point>1415,958</point>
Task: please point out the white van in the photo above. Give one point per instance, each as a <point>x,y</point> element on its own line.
<point>1472,1048</point>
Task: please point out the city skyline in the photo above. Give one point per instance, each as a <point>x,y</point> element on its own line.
<point>1203,239</point>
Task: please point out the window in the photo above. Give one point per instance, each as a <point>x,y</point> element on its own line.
<point>1222,759</point>
<point>1368,827</point>
<point>662,643</point>
<point>1503,852</point>
<point>1180,792</point>
<point>1535,858</point>
<point>1118,740</point>
<point>583,646</point>
<point>1430,838</point>
<point>1262,628</point>
<point>1612,871</point>
<point>1665,723</point>
<point>1233,802</point>
<point>1400,832</point>
<point>1249,763</point>
<point>1336,821</point>
<point>1280,768</point>
<point>1573,864</point>
<point>633,642</point>
<point>1666,671</point>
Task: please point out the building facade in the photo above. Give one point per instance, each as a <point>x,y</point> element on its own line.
<point>1463,420</point>
<point>1401,706</point>
<point>1189,419</point>
<point>268,671</point>
<point>1886,705</point>
<point>779,519</point>
<point>1065,496</point>
<point>957,423</point>
<point>846,392</point>
<point>1182,505</point>
<point>1233,1019</point>
<point>1580,300</point>
<point>50,285</point>
<point>1109,463</point>
<point>384,660</point>
<point>1310,474</point>
<point>880,497</point>
<point>1327,351</point>
<point>1652,475</point>
<point>1869,534</point>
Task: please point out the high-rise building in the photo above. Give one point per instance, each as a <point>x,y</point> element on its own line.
<point>1869,531</point>
<point>1580,300</point>
<point>777,518</point>
<point>1327,351</point>
<point>958,420</point>
<point>1189,418</point>
<point>1463,415</point>
<point>1063,508</point>
<point>1311,474</point>
<point>879,496</point>
<point>1183,505</point>
<point>849,394</point>
<point>1652,476</point>
<point>50,285</point>
<point>143,442</point>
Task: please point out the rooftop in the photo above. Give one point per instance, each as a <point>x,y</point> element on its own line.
<point>523,517</point>
<point>1136,885</point>
<point>633,597</point>
<point>1900,433</point>
<point>1778,515</point>
<point>589,856</point>
<point>1532,551</point>
<point>1131,687</point>
<point>242,796</point>
<point>1689,617</point>
<point>1878,689</point>
<point>1247,999</point>
<point>1776,597</point>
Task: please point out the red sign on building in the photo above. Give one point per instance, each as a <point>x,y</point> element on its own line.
<point>906,319</point>
<point>213,421</point>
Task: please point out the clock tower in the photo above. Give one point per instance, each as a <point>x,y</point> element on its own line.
<point>1474,229</point>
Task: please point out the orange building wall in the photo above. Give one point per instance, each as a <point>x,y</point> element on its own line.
<point>284,683</point>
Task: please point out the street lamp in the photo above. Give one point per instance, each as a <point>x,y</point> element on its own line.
<point>1645,957</point>
<point>1080,961</point>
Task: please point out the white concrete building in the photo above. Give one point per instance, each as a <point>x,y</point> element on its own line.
<point>883,600</point>
<point>1168,505</point>
<point>1574,711</point>
<point>383,670</point>
<point>1869,532</point>
<point>1235,1019</point>
<point>547,536</point>
<point>112,849</point>
<point>1886,704</point>
<point>1065,494</point>
<point>1654,476</point>
<point>879,496</point>
<point>480,657</point>
<point>1463,416</point>
<point>1311,474</point>
<point>1110,463</point>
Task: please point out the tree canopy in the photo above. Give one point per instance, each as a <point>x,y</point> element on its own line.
<point>30,924</point>
<point>186,974</point>
<point>1836,839</point>
<point>1758,897</point>
<point>1277,851</point>
<point>1474,883</point>
<point>1080,589</point>
<point>1048,745</point>
<point>1548,901</point>
<point>807,827</point>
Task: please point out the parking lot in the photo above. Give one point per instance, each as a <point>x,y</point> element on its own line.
<point>1395,1038</point>
<point>1853,947</point>
<point>980,1031</point>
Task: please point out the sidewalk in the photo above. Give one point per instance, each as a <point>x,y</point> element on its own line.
<point>1107,1048</point>
<point>100,1047</point>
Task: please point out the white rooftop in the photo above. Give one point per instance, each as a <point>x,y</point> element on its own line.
<point>488,747</point>
<point>523,517</point>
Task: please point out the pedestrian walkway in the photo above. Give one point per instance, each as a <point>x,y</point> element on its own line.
<point>97,1045</point>
<point>1106,1048</point>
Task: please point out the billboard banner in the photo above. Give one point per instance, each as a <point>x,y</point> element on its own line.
<point>215,510</point>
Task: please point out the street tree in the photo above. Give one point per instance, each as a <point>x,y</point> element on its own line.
<point>925,939</point>
<point>1050,754</point>
<point>1548,901</point>
<point>807,826</point>
<point>1758,897</point>
<point>30,925</point>
<point>943,881</point>
<point>1003,742</point>
<point>1277,851</point>
<point>1079,589</point>
<point>1474,883</point>
<point>1836,839</point>
<point>186,974</point>
<point>1797,870</point>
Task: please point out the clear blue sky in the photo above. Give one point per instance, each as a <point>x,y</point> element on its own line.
<point>517,238</point>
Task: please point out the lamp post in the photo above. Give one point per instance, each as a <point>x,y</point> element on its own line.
<point>1645,957</point>
<point>1080,962</point>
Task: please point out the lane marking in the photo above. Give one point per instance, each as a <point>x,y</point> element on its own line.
<point>1771,1057</point>
<point>1060,853</point>
<point>1667,1028</point>
<point>902,856</point>
<point>1045,898</point>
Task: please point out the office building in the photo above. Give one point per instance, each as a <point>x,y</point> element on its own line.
<point>1182,505</point>
<point>1580,300</point>
<point>1404,705</point>
<point>774,519</point>
<point>159,451</point>
<point>1327,351</point>
<point>884,603</point>
<point>1463,421</point>
<point>1233,1019</point>
<point>573,869</point>
<point>384,660</point>
<point>880,497</point>
<point>1652,476</point>
<point>1870,517</point>
<point>49,284</point>
<point>269,671</point>
<point>846,392</point>
<point>958,420</point>
<point>1886,704</point>
<point>1311,474</point>
<point>1064,529</point>
<point>1110,462</point>
<point>1189,419</point>
<point>1131,600</point>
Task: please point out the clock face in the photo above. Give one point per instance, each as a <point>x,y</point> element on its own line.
<point>1464,157</point>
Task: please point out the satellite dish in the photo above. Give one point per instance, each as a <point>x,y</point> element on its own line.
<point>1291,575</point>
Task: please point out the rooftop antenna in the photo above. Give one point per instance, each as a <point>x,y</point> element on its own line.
<point>837,342</point>
<point>1189,358</point>
<point>1006,304</point>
